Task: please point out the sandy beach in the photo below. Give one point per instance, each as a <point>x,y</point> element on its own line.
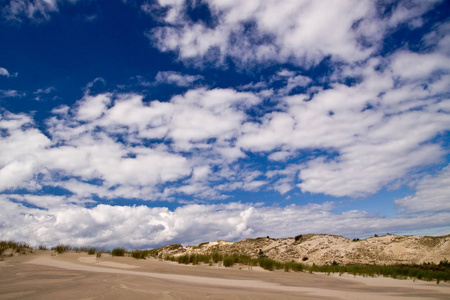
<point>44,275</point>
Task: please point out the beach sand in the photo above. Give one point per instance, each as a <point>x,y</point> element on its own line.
<point>44,275</point>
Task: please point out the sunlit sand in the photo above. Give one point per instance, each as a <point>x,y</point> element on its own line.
<point>44,275</point>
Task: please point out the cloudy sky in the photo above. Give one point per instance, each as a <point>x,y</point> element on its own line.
<point>145,123</point>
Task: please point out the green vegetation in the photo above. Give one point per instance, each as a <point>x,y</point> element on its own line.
<point>118,252</point>
<point>61,248</point>
<point>229,260</point>
<point>142,254</point>
<point>15,246</point>
<point>428,271</point>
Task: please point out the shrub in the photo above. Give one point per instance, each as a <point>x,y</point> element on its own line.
<point>270,264</point>
<point>118,252</point>
<point>99,254</point>
<point>216,257</point>
<point>42,247</point>
<point>91,251</point>
<point>294,266</point>
<point>228,261</point>
<point>15,246</point>
<point>61,248</point>
<point>298,237</point>
<point>139,254</point>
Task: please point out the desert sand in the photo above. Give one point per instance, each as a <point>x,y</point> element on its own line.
<point>44,275</point>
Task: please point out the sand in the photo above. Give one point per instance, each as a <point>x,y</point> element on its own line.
<point>43,275</point>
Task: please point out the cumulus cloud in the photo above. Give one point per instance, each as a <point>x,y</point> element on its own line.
<point>303,32</point>
<point>21,147</point>
<point>4,72</point>
<point>432,194</point>
<point>143,227</point>
<point>101,145</point>
<point>372,132</point>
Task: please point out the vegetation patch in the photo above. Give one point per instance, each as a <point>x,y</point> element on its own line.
<point>61,248</point>
<point>118,252</point>
<point>429,271</point>
<point>142,254</point>
<point>21,248</point>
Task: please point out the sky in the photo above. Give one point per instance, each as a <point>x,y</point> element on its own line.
<point>146,123</point>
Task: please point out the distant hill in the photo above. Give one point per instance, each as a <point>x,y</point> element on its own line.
<point>322,249</point>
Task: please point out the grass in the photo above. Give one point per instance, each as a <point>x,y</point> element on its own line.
<point>61,248</point>
<point>118,252</point>
<point>428,272</point>
<point>143,254</point>
<point>22,248</point>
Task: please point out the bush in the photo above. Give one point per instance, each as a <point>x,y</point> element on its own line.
<point>216,257</point>
<point>42,247</point>
<point>270,264</point>
<point>61,248</point>
<point>118,252</point>
<point>228,261</point>
<point>15,246</point>
<point>139,254</point>
<point>91,251</point>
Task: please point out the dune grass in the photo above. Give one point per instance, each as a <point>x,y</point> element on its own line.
<point>428,272</point>
<point>61,248</point>
<point>17,247</point>
<point>118,252</point>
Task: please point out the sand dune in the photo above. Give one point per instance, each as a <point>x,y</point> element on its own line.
<point>322,249</point>
<point>79,276</point>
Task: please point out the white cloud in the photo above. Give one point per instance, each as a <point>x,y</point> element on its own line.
<point>100,145</point>
<point>11,94</point>
<point>4,72</point>
<point>176,78</point>
<point>412,65</point>
<point>21,147</point>
<point>432,194</point>
<point>44,91</point>
<point>92,107</point>
<point>37,10</point>
<point>303,32</point>
<point>372,133</point>
<point>144,227</point>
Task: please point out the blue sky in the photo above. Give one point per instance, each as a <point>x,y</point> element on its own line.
<point>145,123</point>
